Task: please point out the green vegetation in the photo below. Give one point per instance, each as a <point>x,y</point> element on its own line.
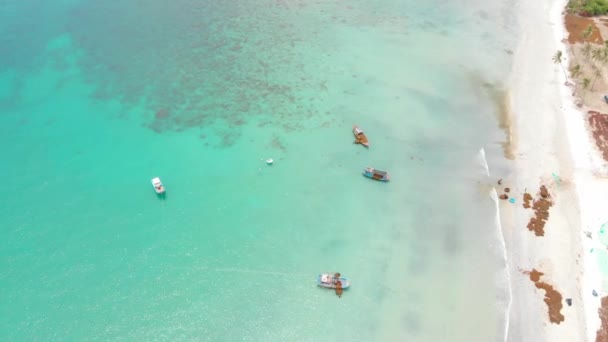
<point>588,7</point>
<point>596,58</point>
<point>586,83</point>
<point>575,72</point>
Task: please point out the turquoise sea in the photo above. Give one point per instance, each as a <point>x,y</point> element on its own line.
<point>98,97</point>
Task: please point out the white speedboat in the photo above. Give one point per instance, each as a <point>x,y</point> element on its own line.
<point>158,186</point>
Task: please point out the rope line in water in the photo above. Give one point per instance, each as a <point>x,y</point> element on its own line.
<point>241,270</point>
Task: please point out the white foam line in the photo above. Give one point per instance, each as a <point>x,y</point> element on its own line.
<point>485,162</point>
<point>494,196</point>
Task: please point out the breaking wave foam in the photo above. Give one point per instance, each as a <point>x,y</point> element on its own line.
<point>503,247</point>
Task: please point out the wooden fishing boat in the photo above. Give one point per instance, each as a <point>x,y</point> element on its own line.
<point>378,175</point>
<point>330,281</point>
<point>360,137</point>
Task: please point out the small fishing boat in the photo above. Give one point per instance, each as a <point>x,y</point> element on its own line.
<point>376,174</point>
<point>158,186</point>
<point>360,137</point>
<point>330,281</point>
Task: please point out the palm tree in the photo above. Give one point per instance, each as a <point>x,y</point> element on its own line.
<point>597,72</point>
<point>587,33</point>
<point>586,83</point>
<point>575,71</point>
<point>557,59</point>
<point>599,54</point>
<point>586,50</point>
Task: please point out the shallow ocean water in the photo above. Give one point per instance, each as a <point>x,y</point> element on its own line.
<point>98,98</point>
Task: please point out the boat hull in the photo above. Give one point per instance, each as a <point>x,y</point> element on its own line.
<point>345,283</point>
<point>380,176</point>
<point>360,137</point>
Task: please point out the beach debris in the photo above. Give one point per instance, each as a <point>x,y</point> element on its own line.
<point>541,211</point>
<point>500,181</point>
<point>503,197</point>
<point>507,189</point>
<point>269,161</point>
<point>556,178</point>
<point>602,332</point>
<point>569,301</point>
<point>553,298</point>
<point>512,200</point>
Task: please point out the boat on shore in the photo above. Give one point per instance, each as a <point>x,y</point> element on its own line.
<point>330,280</point>
<point>360,137</point>
<point>158,186</point>
<point>375,174</point>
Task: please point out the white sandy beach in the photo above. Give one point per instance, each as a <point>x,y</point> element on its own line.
<point>551,148</point>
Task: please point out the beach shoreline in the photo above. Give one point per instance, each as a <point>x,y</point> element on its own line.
<point>552,148</point>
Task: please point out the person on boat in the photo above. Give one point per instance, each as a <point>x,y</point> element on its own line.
<point>336,277</point>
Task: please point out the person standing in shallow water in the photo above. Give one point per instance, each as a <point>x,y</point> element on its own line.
<point>338,284</point>
<point>339,289</point>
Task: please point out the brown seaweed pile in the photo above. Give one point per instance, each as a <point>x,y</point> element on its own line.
<point>527,200</point>
<point>602,332</point>
<point>540,206</point>
<point>598,123</point>
<point>576,25</point>
<point>553,298</point>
